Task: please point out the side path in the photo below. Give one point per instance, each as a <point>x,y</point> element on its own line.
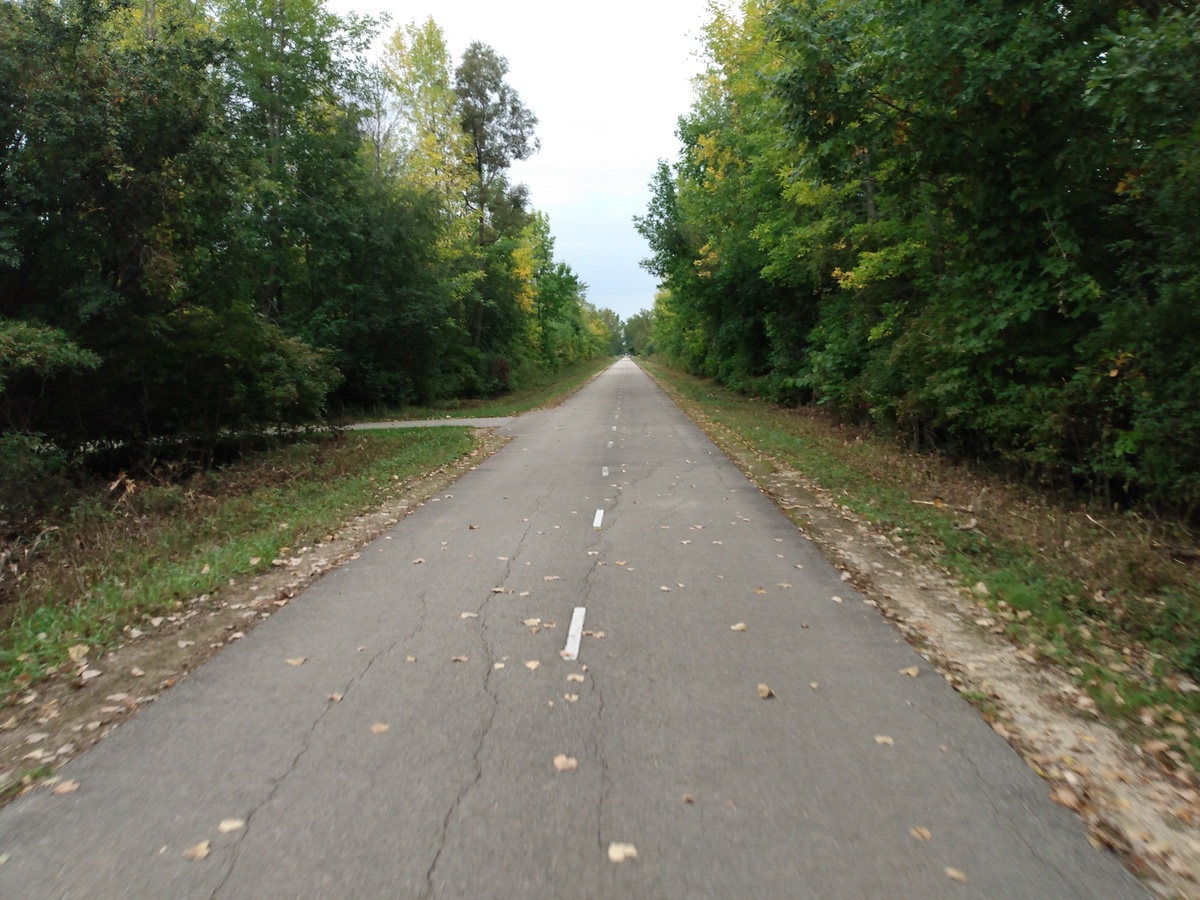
<point>409,728</point>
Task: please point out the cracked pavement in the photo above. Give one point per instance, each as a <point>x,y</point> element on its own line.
<point>723,794</point>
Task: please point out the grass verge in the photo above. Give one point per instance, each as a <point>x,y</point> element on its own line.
<point>541,389</point>
<point>111,562</point>
<point>1112,597</point>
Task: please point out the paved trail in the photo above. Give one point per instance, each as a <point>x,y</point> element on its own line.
<point>614,503</point>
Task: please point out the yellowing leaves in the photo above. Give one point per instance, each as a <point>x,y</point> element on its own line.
<point>765,692</point>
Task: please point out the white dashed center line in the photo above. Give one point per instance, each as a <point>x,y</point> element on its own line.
<point>574,635</point>
<point>599,518</point>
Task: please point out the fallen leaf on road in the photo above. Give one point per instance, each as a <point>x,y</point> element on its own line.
<point>472,527</point>
<point>765,692</point>
<point>884,740</point>
<point>718,543</point>
<point>500,590</point>
<point>618,853</point>
<point>335,698</point>
<point>571,698</point>
<point>685,543</point>
<point>197,851</point>
<point>418,562</point>
<point>228,825</point>
<point>845,576</point>
<point>955,875</point>
<point>88,674</point>
<point>576,677</point>
<point>458,659</point>
<point>689,799</point>
<point>183,645</point>
<point>783,585</point>
<point>665,589</point>
<point>78,653</point>
<point>550,578</point>
<point>468,615</point>
<point>837,599</point>
<point>564,763</point>
<point>621,562</point>
<point>740,626</point>
<point>156,621</point>
<point>598,635</point>
<point>298,661</point>
<point>497,666</point>
<point>532,664</point>
<point>912,671</point>
<point>814,685</point>
<point>378,728</point>
<point>136,672</point>
<point>410,658</point>
<point>760,590</point>
<point>921,834</point>
<point>66,787</point>
<point>1066,797</point>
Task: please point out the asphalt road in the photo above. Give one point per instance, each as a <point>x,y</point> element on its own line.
<point>614,503</point>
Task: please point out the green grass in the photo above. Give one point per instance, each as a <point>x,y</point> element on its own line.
<point>540,389</point>
<point>111,563</point>
<point>1091,589</point>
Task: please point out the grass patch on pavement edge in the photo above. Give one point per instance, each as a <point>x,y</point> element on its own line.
<point>112,562</point>
<point>1096,591</point>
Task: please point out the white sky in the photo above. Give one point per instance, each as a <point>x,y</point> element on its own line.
<point>607,82</point>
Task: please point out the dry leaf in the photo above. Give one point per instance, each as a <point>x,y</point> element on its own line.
<point>760,590</point>
<point>571,698</point>
<point>458,659</point>
<point>814,684</point>
<point>197,851</point>
<point>500,590</point>
<point>689,799</point>
<point>335,698</point>
<point>912,671</point>
<point>410,658</point>
<point>1066,797</point>
<point>78,653</point>
<point>956,875</point>
<point>136,672</point>
<point>183,645</point>
<point>921,834</point>
<point>468,615</point>
<point>378,728</point>
<point>621,562</point>
<point>89,674</point>
<point>472,527</point>
<point>532,664</point>
<point>618,853</point>
<point>564,763</point>
<point>418,561</point>
<point>884,740</point>
<point>523,594</point>
<point>550,578</point>
<point>665,589</point>
<point>497,666</point>
<point>228,825</point>
<point>740,626</point>
<point>66,787</point>
<point>298,661</point>
<point>837,599</point>
<point>576,677</point>
<point>765,692</point>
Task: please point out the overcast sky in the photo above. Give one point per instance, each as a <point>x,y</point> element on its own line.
<point>607,82</point>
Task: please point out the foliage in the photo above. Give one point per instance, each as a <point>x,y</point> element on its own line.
<point>969,223</point>
<point>221,219</point>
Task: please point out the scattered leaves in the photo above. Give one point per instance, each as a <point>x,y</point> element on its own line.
<point>459,658</point>
<point>575,677</point>
<point>571,698</point>
<point>198,851</point>
<point>765,691</point>
<point>228,825</point>
<point>335,698</point>
<point>665,589</point>
<point>837,599</point>
<point>410,658</point>
<point>920,833</point>
<point>78,653</point>
<point>884,740</point>
<point>814,685</point>
<point>740,626</point>
<point>955,875</point>
<point>379,728</point>
<point>66,787</point>
<point>497,666</point>
<point>419,561</point>
<point>564,763</point>
<point>760,590</point>
<point>532,664</point>
<point>619,853</point>
<point>911,671</point>
<point>297,661</point>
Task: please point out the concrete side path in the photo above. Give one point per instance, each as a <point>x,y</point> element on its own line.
<point>854,780</point>
<point>495,422</point>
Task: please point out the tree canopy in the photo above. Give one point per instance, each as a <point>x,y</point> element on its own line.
<point>969,223</point>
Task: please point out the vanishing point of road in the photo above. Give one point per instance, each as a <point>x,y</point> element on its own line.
<point>469,756</point>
